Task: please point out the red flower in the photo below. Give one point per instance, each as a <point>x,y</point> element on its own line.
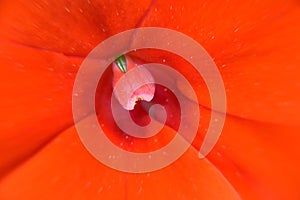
<point>255,45</point>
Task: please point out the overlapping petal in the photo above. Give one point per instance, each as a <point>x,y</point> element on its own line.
<point>255,46</point>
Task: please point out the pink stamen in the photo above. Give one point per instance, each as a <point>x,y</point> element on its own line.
<point>145,92</point>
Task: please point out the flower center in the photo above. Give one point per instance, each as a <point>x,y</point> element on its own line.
<point>127,92</point>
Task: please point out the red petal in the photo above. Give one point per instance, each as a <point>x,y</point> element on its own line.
<point>73,173</point>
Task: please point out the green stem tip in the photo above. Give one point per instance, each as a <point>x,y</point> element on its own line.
<point>121,63</point>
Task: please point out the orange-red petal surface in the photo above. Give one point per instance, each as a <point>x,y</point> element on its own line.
<point>261,160</point>
<point>37,75</point>
<point>35,103</point>
<point>65,168</point>
<point>255,45</point>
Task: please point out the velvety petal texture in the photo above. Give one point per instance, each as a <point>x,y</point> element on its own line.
<point>255,45</point>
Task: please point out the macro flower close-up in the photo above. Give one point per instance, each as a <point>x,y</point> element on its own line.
<point>241,110</point>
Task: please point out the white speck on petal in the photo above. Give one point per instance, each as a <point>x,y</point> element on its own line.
<point>20,65</point>
<point>100,190</point>
<point>67,9</point>
<point>88,184</point>
<point>140,190</point>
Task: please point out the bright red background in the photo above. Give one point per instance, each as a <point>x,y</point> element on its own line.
<point>256,46</point>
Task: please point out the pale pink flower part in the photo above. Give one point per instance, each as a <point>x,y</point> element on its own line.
<point>125,92</point>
